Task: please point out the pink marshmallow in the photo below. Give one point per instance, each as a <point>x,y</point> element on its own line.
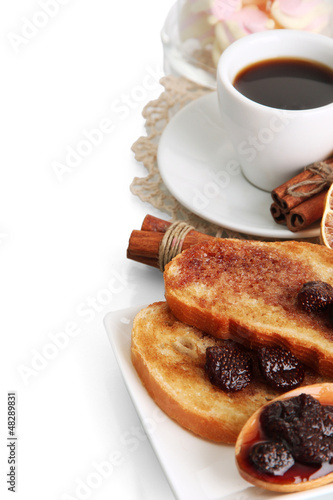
<point>224,9</point>
<point>250,20</point>
<point>297,8</point>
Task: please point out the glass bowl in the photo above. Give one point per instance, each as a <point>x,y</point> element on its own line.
<point>195,32</point>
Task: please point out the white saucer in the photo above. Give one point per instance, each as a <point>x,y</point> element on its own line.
<point>196,162</point>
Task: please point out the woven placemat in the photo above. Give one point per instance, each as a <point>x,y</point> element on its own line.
<point>178,92</point>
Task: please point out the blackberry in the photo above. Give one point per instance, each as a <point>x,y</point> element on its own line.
<point>315,296</point>
<point>304,425</point>
<point>228,367</point>
<point>280,368</point>
<point>271,457</point>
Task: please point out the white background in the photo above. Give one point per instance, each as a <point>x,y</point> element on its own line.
<point>69,68</point>
<point>63,240</point>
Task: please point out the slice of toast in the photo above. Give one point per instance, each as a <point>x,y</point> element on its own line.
<point>170,356</point>
<point>247,291</point>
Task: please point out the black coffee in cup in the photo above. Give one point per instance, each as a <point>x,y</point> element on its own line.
<point>287,83</point>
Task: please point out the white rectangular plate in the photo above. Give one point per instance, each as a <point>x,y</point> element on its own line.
<point>196,469</point>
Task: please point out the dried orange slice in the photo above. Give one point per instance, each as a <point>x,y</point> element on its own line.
<point>326,226</point>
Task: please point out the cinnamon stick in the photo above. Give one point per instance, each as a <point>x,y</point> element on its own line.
<point>143,249</point>
<point>277,214</point>
<point>152,223</point>
<point>144,245</point>
<point>306,213</point>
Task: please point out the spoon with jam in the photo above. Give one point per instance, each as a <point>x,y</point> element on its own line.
<point>287,445</point>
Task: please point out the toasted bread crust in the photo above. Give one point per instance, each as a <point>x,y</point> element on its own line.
<point>247,290</point>
<point>169,357</point>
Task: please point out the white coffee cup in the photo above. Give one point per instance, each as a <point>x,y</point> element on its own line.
<point>272,145</point>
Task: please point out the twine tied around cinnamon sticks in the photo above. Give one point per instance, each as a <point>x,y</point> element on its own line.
<point>323,170</point>
<point>172,242</point>
<point>158,241</point>
<point>299,202</point>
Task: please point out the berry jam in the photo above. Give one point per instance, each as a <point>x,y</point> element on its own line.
<point>299,471</point>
